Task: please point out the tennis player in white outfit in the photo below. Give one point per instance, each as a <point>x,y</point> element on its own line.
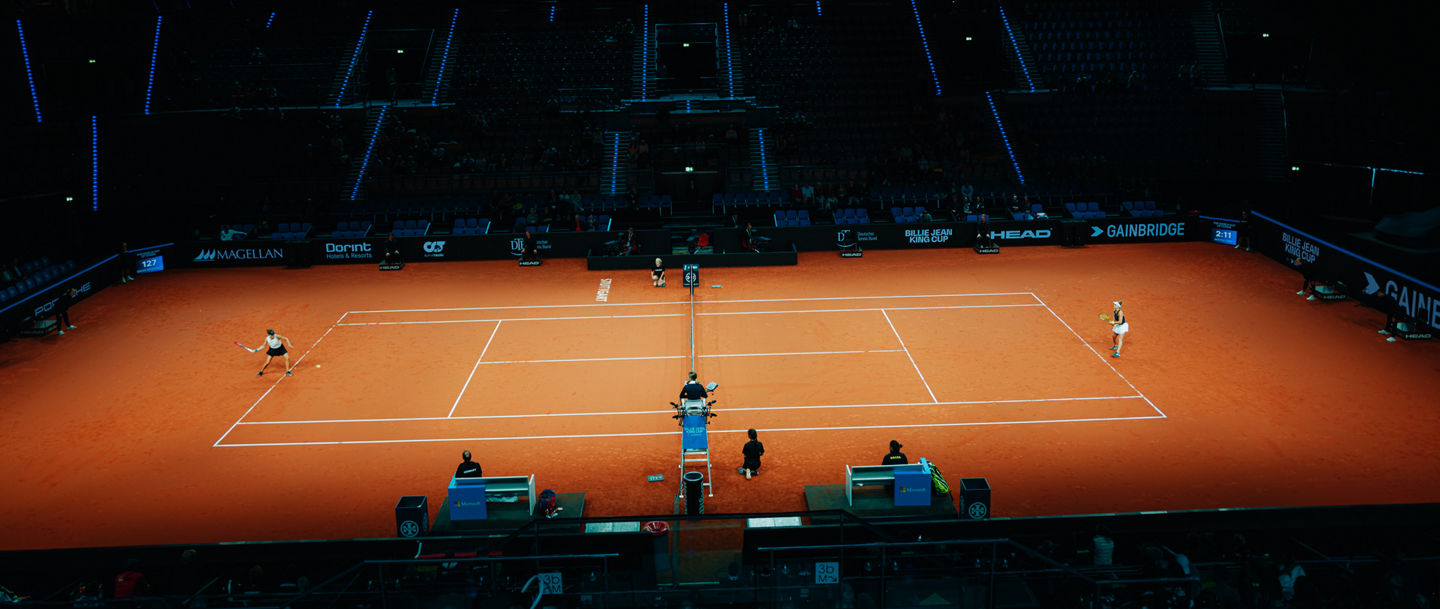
<point>1120,327</point>
<point>275,345</point>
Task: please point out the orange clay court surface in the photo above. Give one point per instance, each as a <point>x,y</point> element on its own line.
<point>148,426</point>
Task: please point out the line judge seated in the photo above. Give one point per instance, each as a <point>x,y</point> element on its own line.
<point>467,468</point>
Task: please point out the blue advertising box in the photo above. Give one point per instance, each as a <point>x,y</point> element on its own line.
<point>692,436</point>
<point>467,499</point>
<point>912,484</point>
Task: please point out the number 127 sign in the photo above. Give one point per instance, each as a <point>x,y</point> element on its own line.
<point>827,572</point>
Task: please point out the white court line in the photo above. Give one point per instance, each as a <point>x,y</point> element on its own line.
<point>911,357</point>
<point>582,359</point>
<point>869,309</point>
<point>676,433</point>
<point>649,357</point>
<point>474,368</point>
<point>1097,354</point>
<point>274,384</point>
<point>471,321</point>
<point>802,353</point>
<point>649,315</point>
<point>681,302</point>
<point>671,412</point>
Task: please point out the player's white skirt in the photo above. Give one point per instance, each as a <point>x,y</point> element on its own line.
<point>1122,328</point>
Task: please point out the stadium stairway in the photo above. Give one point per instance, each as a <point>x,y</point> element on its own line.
<point>345,78</point>
<point>1020,54</point>
<point>616,152</point>
<point>1209,48</point>
<point>357,160</point>
<point>1273,149</point>
<point>764,174</point>
<point>641,81</point>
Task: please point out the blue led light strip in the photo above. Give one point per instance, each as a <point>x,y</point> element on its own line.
<point>729,62</point>
<point>817,9</point>
<point>926,45</point>
<point>444,58</point>
<point>29,76</point>
<point>552,13</point>
<point>94,163</point>
<point>154,52</point>
<point>354,58</point>
<point>1021,60</point>
<point>764,170</point>
<point>270,21</point>
<point>615,164</point>
<point>369,148</point>
<point>1004,138</point>
<point>645,54</point>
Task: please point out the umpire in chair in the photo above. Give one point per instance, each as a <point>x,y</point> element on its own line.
<point>693,396</point>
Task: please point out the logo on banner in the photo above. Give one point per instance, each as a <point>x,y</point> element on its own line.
<point>434,249</point>
<point>1042,233</point>
<point>929,235</point>
<point>1418,305</point>
<point>517,245</point>
<point>1295,247</point>
<point>1139,229</point>
<point>239,253</point>
<point>349,251</point>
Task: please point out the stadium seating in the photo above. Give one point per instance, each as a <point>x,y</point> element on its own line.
<point>792,217</point>
<point>471,226</point>
<point>292,230</point>
<point>658,203</point>
<point>351,229</point>
<point>852,215</point>
<point>411,228</point>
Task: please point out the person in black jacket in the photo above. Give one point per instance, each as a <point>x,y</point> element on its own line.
<point>62,311</point>
<point>752,451</point>
<point>467,468</point>
<point>894,457</point>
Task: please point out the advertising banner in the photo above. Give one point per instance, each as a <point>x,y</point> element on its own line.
<point>1364,279</point>
<point>229,253</point>
<point>1144,230</point>
<point>41,304</point>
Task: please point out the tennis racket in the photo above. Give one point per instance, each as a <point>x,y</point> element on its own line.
<point>237,343</point>
<point>1102,316</point>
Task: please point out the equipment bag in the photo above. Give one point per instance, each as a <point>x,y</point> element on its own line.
<point>937,479</point>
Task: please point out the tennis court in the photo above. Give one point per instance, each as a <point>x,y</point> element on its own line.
<point>147,425</point>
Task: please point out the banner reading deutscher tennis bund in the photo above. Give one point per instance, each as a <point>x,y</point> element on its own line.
<point>1365,280</point>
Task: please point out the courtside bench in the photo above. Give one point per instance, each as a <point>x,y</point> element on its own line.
<point>912,481</point>
<point>468,496</point>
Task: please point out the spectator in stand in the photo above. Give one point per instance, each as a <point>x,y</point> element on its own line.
<point>131,583</point>
<point>467,468</point>
<point>229,234</point>
<point>580,223</point>
<point>807,194</point>
<point>632,242</point>
<point>967,191</point>
<point>12,272</point>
